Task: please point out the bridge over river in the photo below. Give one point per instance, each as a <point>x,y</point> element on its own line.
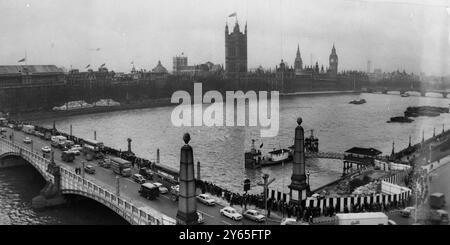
<point>120,196</point>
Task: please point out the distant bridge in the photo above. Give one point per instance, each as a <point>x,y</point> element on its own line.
<point>422,92</point>
<point>329,155</point>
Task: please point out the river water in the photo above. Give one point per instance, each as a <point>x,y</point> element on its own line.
<point>338,125</point>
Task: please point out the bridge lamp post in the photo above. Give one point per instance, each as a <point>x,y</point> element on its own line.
<point>82,170</point>
<point>266,185</point>
<point>307,175</point>
<point>117,185</point>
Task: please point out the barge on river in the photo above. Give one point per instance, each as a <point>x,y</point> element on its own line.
<point>255,159</point>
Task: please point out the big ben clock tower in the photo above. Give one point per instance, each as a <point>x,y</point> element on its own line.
<point>333,61</point>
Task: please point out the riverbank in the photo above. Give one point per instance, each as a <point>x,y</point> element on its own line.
<point>321,93</point>
<point>163,102</point>
<point>41,115</point>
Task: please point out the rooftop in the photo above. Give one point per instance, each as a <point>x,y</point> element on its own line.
<point>364,151</point>
<point>18,69</point>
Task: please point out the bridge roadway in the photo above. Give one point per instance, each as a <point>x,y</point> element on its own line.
<point>129,188</point>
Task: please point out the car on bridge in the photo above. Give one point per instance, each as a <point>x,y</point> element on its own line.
<point>149,191</point>
<point>46,149</point>
<point>74,151</point>
<point>161,188</point>
<point>138,178</point>
<point>89,169</point>
<point>27,140</point>
<point>206,199</point>
<point>254,215</point>
<point>231,213</point>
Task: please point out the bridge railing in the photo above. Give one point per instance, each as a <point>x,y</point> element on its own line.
<point>71,183</point>
<point>39,162</point>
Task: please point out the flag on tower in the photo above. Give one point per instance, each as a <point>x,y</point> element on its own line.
<point>102,65</point>
<point>22,60</point>
<point>88,66</point>
<point>232,15</point>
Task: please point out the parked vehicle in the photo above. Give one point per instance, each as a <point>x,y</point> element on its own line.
<point>254,215</point>
<point>292,221</point>
<point>89,169</point>
<point>138,178</point>
<point>67,156</point>
<point>121,167</point>
<point>206,199</point>
<point>27,140</point>
<point>437,200</point>
<point>231,213</point>
<point>3,130</point>
<point>375,218</point>
<point>406,212</point>
<point>162,189</point>
<point>149,191</point>
<point>46,149</point>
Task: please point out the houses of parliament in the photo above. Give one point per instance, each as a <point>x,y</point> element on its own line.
<point>236,56</point>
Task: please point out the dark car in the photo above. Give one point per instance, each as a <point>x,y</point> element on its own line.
<point>147,173</point>
<point>89,169</point>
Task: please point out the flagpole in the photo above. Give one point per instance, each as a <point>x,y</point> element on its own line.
<point>26,60</point>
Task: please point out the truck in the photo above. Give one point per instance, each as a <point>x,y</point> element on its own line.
<point>67,156</point>
<point>121,167</point>
<point>28,129</point>
<point>374,218</point>
<point>58,141</point>
<point>437,200</point>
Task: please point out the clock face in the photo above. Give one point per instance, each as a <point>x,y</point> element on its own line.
<point>332,60</point>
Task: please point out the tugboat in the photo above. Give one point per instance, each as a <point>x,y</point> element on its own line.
<point>255,159</point>
<point>358,102</point>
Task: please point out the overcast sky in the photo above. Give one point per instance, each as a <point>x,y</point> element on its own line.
<point>397,34</point>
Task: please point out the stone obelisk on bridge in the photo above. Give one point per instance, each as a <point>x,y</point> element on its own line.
<point>187,203</point>
<point>298,186</point>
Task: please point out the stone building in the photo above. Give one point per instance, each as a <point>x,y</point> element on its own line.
<point>235,49</point>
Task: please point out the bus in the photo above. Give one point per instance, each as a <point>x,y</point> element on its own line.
<point>96,145</point>
<point>149,191</point>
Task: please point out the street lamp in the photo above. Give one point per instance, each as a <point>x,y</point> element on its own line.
<point>266,185</point>
<point>82,171</point>
<point>307,175</point>
<point>117,185</point>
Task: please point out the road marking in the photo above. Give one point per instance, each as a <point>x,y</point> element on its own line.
<point>206,214</point>
<point>223,221</point>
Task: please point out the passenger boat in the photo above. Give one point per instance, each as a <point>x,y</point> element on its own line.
<point>400,120</point>
<point>404,95</point>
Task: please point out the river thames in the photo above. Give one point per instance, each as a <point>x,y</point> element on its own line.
<point>338,125</point>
